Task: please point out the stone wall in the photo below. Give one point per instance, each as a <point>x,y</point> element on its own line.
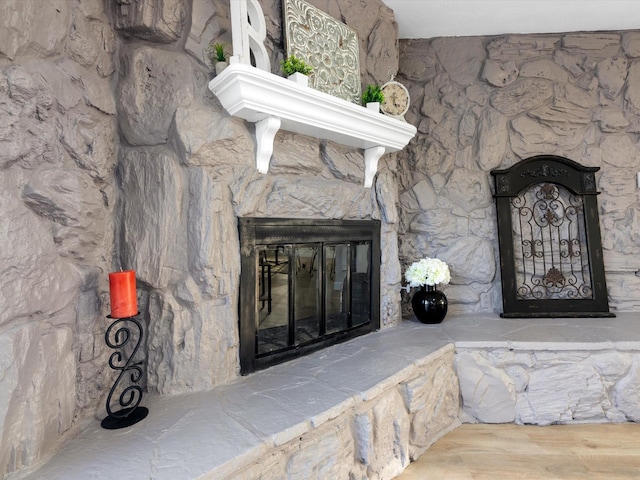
<point>57,197</point>
<point>482,103</point>
<point>116,155</point>
<point>542,387</point>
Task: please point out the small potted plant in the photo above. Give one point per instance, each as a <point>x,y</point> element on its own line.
<point>372,97</point>
<point>218,57</point>
<point>296,69</point>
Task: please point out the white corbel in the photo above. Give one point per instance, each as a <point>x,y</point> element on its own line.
<point>371,157</point>
<point>266,130</point>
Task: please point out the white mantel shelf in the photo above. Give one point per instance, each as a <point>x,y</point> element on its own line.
<point>274,103</point>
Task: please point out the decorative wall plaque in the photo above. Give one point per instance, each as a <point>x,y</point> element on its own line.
<point>329,46</point>
<point>551,259</point>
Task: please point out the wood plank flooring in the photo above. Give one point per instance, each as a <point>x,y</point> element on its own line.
<point>515,452</point>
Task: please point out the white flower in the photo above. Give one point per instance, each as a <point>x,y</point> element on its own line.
<point>428,271</point>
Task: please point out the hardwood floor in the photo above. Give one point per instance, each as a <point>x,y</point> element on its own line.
<point>556,452</point>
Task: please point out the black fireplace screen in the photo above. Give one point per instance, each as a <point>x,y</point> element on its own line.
<point>549,236</point>
<point>305,284</point>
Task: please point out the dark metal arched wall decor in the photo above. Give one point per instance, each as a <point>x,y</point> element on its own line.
<point>549,236</point>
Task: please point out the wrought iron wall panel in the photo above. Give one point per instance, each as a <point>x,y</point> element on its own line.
<point>550,244</point>
<point>549,234</point>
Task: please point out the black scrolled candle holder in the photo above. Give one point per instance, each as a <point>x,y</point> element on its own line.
<point>129,399</point>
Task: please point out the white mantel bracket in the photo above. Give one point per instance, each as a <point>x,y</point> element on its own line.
<point>266,130</point>
<point>274,103</point>
<point>371,157</point>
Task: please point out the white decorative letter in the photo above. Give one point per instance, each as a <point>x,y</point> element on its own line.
<point>249,31</point>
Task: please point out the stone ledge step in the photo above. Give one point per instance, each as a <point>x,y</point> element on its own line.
<point>214,433</point>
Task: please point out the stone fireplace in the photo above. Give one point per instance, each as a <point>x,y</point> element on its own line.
<point>305,285</point>
<point>117,154</point>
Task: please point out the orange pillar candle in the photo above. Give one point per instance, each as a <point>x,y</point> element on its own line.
<point>122,292</point>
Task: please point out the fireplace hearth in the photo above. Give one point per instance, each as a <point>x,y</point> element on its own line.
<point>305,285</point>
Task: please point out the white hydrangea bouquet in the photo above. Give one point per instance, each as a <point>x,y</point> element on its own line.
<point>427,271</point>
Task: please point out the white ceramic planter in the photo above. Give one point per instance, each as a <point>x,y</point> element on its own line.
<point>373,106</point>
<point>220,66</point>
<point>299,78</point>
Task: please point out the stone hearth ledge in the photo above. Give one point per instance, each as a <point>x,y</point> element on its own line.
<point>217,433</point>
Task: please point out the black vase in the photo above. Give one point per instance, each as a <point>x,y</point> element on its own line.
<point>429,305</point>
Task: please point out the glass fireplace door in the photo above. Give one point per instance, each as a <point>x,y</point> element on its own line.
<point>309,291</point>
<point>305,286</point>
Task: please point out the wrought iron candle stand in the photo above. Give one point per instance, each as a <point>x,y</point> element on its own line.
<point>129,399</point>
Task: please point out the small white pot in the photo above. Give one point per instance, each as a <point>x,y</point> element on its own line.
<point>374,106</point>
<point>220,66</point>
<point>299,78</point>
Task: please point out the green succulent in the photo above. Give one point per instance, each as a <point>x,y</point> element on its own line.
<point>372,93</point>
<point>294,64</point>
<point>216,53</point>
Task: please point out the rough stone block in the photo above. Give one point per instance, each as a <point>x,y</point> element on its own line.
<point>390,438</point>
<point>326,454</point>
<point>190,348</point>
<point>492,139</point>
<point>157,21</point>
<point>627,392</point>
<point>432,398</point>
<point>422,197</point>
<point>611,119</point>
<point>632,95</point>
<point>211,225</point>
<point>545,68</point>
<point>462,58</point>
<point>500,74</point>
<point>343,163</point>
<point>573,63</point>
<point>438,222</point>
<point>363,438</point>
<point>488,393</point>
<point>32,261</point>
<point>289,197</point>
<point>75,209</point>
<point>155,83</point>
<point>468,260</point>
<point>153,223</point>
<point>37,391</point>
<point>522,47</point>
<point>631,44</point>
<point>562,393</point>
<point>204,139</point>
<point>33,26</point>
<point>523,95</point>
<point>419,61</point>
<point>605,44</point>
<point>612,73</point>
<point>529,137</point>
<point>621,151</point>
